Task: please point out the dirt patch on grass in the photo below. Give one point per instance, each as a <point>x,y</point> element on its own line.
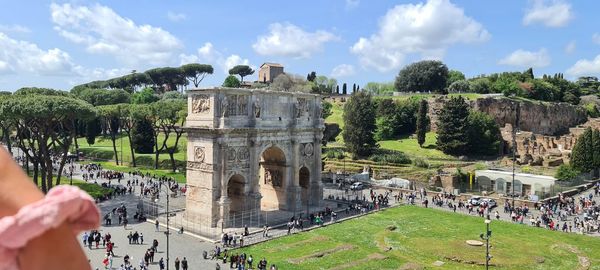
<point>411,266</point>
<point>321,253</point>
<point>299,243</point>
<point>584,261</point>
<point>374,256</point>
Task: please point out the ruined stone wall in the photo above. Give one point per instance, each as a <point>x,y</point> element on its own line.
<point>538,117</point>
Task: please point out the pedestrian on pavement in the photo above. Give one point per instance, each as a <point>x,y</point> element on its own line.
<point>184,264</point>
<point>177,263</point>
<point>156,225</point>
<point>161,264</point>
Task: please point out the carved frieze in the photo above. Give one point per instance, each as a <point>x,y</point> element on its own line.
<point>234,105</point>
<point>193,165</point>
<point>200,103</point>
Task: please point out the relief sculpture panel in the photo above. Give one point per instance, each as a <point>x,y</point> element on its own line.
<point>200,104</point>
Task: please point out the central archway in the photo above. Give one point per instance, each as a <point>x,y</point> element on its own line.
<point>272,178</point>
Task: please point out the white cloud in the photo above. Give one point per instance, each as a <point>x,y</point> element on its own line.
<point>425,28</point>
<point>596,38</point>
<point>25,57</point>
<point>103,31</point>
<point>343,70</point>
<point>571,46</point>
<point>522,58</point>
<point>15,28</point>
<point>585,67</point>
<point>232,61</point>
<point>551,13</point>
<point>350,4</point>
<point>176,17</point>
<point>86,75</point>
<point>290,40</point>
<point>209,55</point>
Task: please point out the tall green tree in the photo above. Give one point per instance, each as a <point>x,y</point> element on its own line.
<point>422,121</point>
<point>454,76</point>
<point>111,116</point>
<point>242,71</point>
<point>423,76</point>
<point>359,120</point>
<point>344,90</point>
<point>582,155</point>
<point>142,135</point>
<point>196,72</point>
<point>452,127</point>
<point>145,96</point>
<point>45,127</point>
<point>170,117</point>
<point>483,134</point>
<point>232,81</point>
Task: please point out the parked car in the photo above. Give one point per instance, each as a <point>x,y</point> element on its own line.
<point>357,186</point>
<point>475,200</point>
<point>491,203</point>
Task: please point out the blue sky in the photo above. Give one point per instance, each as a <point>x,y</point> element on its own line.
<point>59,44</point>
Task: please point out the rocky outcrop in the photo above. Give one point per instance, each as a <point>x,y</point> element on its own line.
<point>543,118</point>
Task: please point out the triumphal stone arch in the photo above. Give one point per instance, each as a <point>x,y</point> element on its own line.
<point>251,150</point>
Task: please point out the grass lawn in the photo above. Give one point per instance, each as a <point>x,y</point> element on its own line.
<point>104,144</point>
<point>336,117</point>
<point>109,165</point>
<point>410,147</point>
<point>422,237</point>
<point>94,190</point>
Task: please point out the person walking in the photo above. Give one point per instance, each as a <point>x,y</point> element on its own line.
<point>161,264</point>
<point>177,263</point>
<point>184,264</point>
<point>156,224</point>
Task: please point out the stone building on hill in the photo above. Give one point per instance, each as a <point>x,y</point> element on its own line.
<point>269,71</point>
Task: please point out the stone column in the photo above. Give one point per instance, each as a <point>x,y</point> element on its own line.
<point>315,194</point>
<point>294,200</point>
<point>224,204</point>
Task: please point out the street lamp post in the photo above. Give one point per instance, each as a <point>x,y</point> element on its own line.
<point>168,232</point>
<point>514,150</point>
<point>486,237</point>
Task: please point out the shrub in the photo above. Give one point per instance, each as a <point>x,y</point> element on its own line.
<point>421,163</point>
<point>395,157</point>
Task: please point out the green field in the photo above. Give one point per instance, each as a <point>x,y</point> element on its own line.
<point>411,147</point>
<point>422,237</point>
<point>103,148</point>
<point>178,176</point>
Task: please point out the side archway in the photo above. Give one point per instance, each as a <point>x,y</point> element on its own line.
<point>235,192</point>
<point>304,182</point>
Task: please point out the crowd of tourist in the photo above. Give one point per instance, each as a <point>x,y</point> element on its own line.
<point>579,214</point>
